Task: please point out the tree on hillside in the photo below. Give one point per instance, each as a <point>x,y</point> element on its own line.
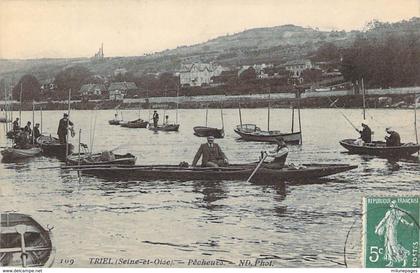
<point>30,88</point>
<point>312,75</point>
<point>248,75</point>
<point>327,52</point>
<point>71,78</point>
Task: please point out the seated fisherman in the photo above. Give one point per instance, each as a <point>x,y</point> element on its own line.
<point>279,154</point>
<point>365,133</point>
<point>393,139</point>
<point>213,156</point>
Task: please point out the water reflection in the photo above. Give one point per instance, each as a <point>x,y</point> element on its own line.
<point>211,191</point>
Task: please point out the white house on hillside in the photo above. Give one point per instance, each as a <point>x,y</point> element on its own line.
<point>297,67</point>
<point>198,74</point>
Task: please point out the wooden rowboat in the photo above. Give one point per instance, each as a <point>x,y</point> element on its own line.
<point>114,122</point>
<point>165,128</point>
<point>138,123</point>
<point>379,148</point>
<point>264,174</point>
<point>203,131</point>
<point>24,242</point>
<point>51,146</point>
<point>250,132</point>
<point>12,154</point>
<point>96,159</point>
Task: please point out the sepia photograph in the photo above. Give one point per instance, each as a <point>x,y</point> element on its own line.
<point>209,134</point>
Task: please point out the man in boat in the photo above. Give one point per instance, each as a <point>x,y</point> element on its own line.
<point>63,127</point>
<point>28,128</point>
<point>166,120</point>
<point>279,154</point>
<point>155,118</point>
<point>393,139</point>
<point>365,133</point>
<point>211,153</point>
<point>37,133</point>
<point>16,126</point>
<point>22,140</point>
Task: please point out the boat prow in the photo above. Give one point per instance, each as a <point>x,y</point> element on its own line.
<point>379,148</point>
<point>250,132</point>
<point>203,131</point>
<point>38,244</point>
<point>165,128</point>
<point>12,154</point>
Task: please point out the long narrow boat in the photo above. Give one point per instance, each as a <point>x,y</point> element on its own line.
<point>379,148</point>
<point>138,123</point>
<point>250,132</point>
<point>114,121</point>
<point>264,174</point>
<point>98,159</point>
<point>35,250</point>
<point>51,146</point>
<point>203,131</point>
<point>11,154</point>
<point>165,128</point>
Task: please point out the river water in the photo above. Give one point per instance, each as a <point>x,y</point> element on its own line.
<point>291,225</point>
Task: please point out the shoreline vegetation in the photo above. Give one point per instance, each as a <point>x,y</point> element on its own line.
<point>396,101</point>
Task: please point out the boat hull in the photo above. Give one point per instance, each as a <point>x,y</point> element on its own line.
<point>114,122</point>
<point>38,242</point>
<point>127,159</point>
<point>166,128</point>
<point>233,172</point>
<point>202,131</point>
<point>10,154</point>
<point>51,147</point>
<point>135,124</point>
<point>379,148</point>
<point>290,138</point>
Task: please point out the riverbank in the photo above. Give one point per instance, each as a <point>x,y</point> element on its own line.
<point>390,98</point>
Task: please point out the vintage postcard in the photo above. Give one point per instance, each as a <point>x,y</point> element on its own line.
<point>209,134</point>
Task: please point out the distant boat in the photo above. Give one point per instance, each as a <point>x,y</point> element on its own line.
<point>4,120</point>
<point>114,122</point>
<point>138,123</point>
<point>51,146</point>
<point>205,131</point>
<point>251,132</point>
<point>11,154</point>
<point>379,148</point>
<point>165,128</point>
<point>19,234</point>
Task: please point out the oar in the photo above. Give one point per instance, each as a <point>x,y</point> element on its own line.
<point>258,166</point>
<point>21,230</point>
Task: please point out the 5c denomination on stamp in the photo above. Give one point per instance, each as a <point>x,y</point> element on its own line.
<point>391,231</point>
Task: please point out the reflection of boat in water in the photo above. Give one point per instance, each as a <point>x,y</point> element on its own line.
<point>379,148</point>
<point>24,242</point>
<point>51,146</point>
<point>11,154</point>
<point>101,159</point>
<point>165,128</point>
<point>138,123</point>
<point>265,173</point>
<point>251,132</point>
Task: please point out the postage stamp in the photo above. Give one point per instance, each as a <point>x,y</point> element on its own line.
<point>391,231</point>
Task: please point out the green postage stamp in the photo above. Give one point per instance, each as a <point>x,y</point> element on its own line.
<point>391,231</point>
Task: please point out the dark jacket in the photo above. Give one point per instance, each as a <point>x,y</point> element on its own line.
<point>62,126</point>
<point>28,129</point>
<point>393,139</point>
<point>16,126</point>
<point>155,116</point>
<point>209,154</point>
<point>36,133</point>
<point>366,134</point>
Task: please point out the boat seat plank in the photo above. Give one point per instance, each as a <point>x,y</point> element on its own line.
<point>19,249</point>
<point>12,230</point>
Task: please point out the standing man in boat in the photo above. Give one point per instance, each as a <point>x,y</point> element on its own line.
<point>16,126</point>
<point>212,154</point>
<point>393,139</point>
<point>37,133</point>
<point>63,127</point>
<point>155,118</point>
<point>28,129</point>
<point>365,133</point>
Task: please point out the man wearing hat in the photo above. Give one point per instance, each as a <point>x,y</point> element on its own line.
<point>37,133</point>
<point>366,133</point>
<point>213,156</point>
<point>62,128</point>
<point>155,118</point>
<point>393,139</point>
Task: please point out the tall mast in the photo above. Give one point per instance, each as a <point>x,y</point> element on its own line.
<point>68,119</point>
<point>207,113</point>
<point>268,109</point>
<point>177,103</point>
<point>364,99</point>
<point>20,105</point>
<point>415,118</point>
<point>33,120</point>
<point>240,114</point>
<point>300,125</point>
<point>221,115</point>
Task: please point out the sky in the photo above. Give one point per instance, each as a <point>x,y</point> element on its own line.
<point>76,28</point>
